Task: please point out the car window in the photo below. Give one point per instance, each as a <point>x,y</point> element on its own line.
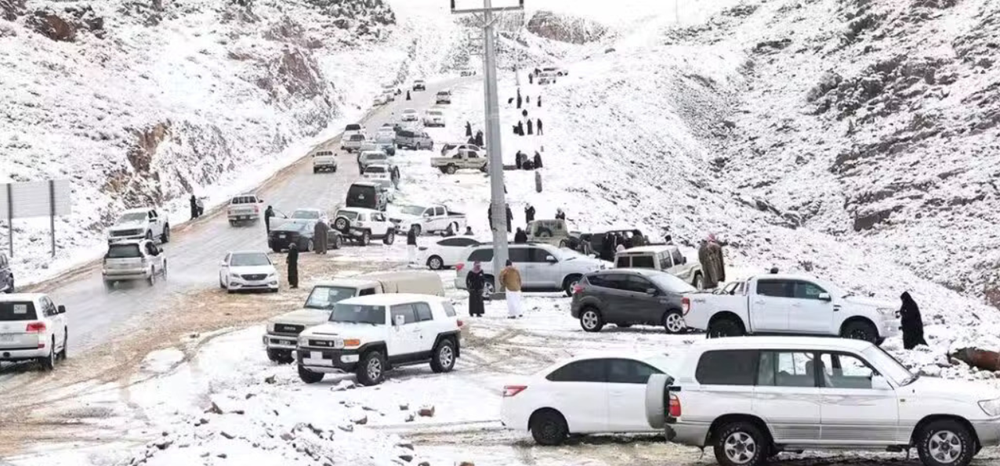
<point>623,262</point>
<point>642,262</point>
<point>423,311</point>
<point>677,256</point>
<point>457,242</point>
<point>786,369</point>
<point>439,211</point>
<point>845,371</point>
<point>629,371</point>
<point>14,310</point>
<point>774,288</point>
<point>807,290</point>
<point>638,284</point>
<point>667,282</point>
<point>325,297</point>
<point>735,367</point>
<point>405,310</point>
<point>519,255</point>
<point>352,127</point>
<point>481,255</point>
<point>591,370</point>
<point>124,251</point>
<point>449,310</point>
<point>358,314</point>
<point>255,259</point>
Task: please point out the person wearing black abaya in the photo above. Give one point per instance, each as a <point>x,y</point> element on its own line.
<point>468,129</point>
<point>539,99</point>
<point>538,159</point>
<point>194,207</point>
<point>293,265</point>
<point>913,325</point>
<point>407,95</point>
<point>518,159</point>
<point>520,237</point>
<point>510,218</point>
<point>539,126</point>
<point>531,79</point>
<point>531,127</point>
<point>479,138</point>
<point>520,128</point>
<point>475,282</point>
<point>267,218</point>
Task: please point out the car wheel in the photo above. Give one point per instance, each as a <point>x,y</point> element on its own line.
<point>365,238</point>
<point>232,223</point>
<point>280,356</point>
<point>163,273</point>
<point>698,282</point>
<point>591,320</point>
<point>65,349</point>
<point>570,283</point>
<point>673,321</point>
<point>49,362</point>
<point>945,443</point>
<point>451,169</point>
<point>563,243</point>
<point>309,376</point>
<point>740,444</point>
<point>152,277</point>
<point>109,285</point>
<point>435,263</point>
<point>389,238</point>
<point>371,368</point>
<point>489,288</point>
<point>342,224</point>
<point>165,237</point>
<point>221,284</point>
<point>444,356</point>
<point>337,242</point>
<point>548,428</point>
<point>859,330</point>
<point>315,170</point>
<point>725,327</point>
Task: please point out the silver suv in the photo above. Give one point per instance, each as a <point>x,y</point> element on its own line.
<point>542,267</point>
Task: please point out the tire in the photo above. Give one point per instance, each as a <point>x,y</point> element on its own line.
<point>65,351</point>
<point>569,283</point>
<point>371,368</point>
<point>945,443</point>
<point>232,223</point>
<point>725,327</point>
<point>165,237</point>
<point>451,169</point>
<point>389,238</point>
<point>366,237</point>
<point>859,330</point>
<point>152,277</point>
<point>342,224</point>
<point>338,242</point>
<point>221,284</point>
<point>276,249</point>
<point>109,285</point>
<point>315,170</point>
<point>548,428</point>
<point>49,362</point>
<point>309,376</point>
<point>435,263</point>
<point>281,356</point>
<point>591,320</point>
<point>698,282</point>
<point>673,322</point>
<point>741,444</point>
<point>563,243</point>
<point>443,359</point>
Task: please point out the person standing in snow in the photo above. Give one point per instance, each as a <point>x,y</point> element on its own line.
<point>268,213</point>
<point>529,214</point>
<point>320,232</point>
<point>479,138</point>
<point>489,216</point>
<point>520,129</point>
<point>293,265</point>
<point>911,322</point>
<point>194,207</point>
<point>539,100</point>
<point>539,126</point>
<point>531,78</point>
<point>518,159</point>
<point>468,231</point>
<point>411,245</point>
<point>510,218</point>
<point>510,278</point>
<point>637,239</point>
<point>720,262</point>
<point>560,215</point>
<point>519,100</point>
<point>527,100</point>
<point>468,129</point>
<point>520,237</point>
<point>538,160</point>
<point>530,127</point>
<point>475,282</point>
<point>707,258</point>
<point>407,95</point>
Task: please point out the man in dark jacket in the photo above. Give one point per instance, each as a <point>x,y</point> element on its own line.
<point>520,237</point>
<point>268,213</point>
<point>520,128</point>
<point>560,215</point>
<point>911,322</point>
<point>489,215</point>
<point>538,160</point>
<point>293,265</point>
<point>510,218</point>
<point>539,126</point>
<point>529,214</point>
<point>411,244</point>
<point>519,100</point>
<point>468,129</point>
<point>194,207</point>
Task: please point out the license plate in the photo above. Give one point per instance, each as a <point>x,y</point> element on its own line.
<point>281,236</point>
<point>6,337</point>
<point>315,355</point>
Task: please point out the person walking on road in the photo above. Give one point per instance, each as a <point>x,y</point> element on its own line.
<point>911,322</point>
<point>510,278</point>
<point>268,213</point>
<point>475,282</point>
<point>194,207</point>
<point>293,266</point>
<point>529,214</point>
<point>520,237</point>
<point>539,126</point>
<point>320,232</point>
<point>411,245</point>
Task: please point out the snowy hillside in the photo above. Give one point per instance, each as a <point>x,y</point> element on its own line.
<point>146,102</point>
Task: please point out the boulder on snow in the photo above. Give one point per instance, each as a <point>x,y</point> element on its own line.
<point>11,9</point>
<point>404,407</point>
<point>344,385</point>
<point>347,428</point>
<point>978,358</point>
<point>426,411</point>
<point>50,25</point>
<point>360,419</point>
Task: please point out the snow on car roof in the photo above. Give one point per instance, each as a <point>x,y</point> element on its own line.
<point>390,299</point>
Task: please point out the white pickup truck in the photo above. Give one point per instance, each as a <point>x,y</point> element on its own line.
<point>428,219</point>
<point>789,304</point>
<point>142,223</point>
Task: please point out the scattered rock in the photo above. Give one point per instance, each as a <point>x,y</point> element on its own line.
<point>409,417</point>
<point>344,385</point>
<point>269,380</point>
<point>347,428</point>
<point>426,411</point>
<point>222,455</point>
<point>405,444</point>
<point>406,458</point>
<point>163,445</point>
<point>404,407</point>
<point>227,435</point>
<point>360,419</point>
<point>287,436</point>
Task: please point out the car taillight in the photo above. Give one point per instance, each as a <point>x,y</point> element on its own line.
<point>459,266</point>
<point>577,289</point>
<point>674,406</point>
<point>685,305</point>
<point>35,327</point>
<point>460,323</point>
<point>511,390</point>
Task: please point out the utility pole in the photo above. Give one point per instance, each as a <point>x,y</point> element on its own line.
<point>498,203</point>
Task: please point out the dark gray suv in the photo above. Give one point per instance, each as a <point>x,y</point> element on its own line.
<point>626,297</point>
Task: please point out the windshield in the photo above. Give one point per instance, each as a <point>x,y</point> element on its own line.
<point>354,127</point>
<point>249,260</point>
<point>671,283</point>
<point>348,214</point>
<point>888,365</point>
<point>435,113</point>
<point>306,214</point>
<point>324,297</point>
<point>413,210</point>
<point>358,314</point>
<point>133,217</point>
<point>375,156</point>
<point>124,251</point>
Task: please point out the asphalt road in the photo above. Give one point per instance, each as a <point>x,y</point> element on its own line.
<point>193,255</point>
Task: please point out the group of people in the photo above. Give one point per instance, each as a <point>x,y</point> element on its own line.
<point>476,139</point>
<point>523,162</point>
<point>615,242</point>
<point>197,208</point>
<point>510,278</point>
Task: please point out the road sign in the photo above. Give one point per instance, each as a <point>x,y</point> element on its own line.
<point>34,199</point>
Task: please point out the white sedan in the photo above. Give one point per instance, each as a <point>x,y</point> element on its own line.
<point>248,271</point>
<point>445,252</point>
<point>583,395</point>
<point>309,215</point>
<point>409,115</point>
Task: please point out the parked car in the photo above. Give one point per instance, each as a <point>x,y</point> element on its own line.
<point>379,100</point>
<point>243,208</point>
<point>248,270</point>
<point>551,231</point>
<point>443,97</point>
<point>450,148</point>
<point>372,157</point>
<point>142,223</point>
<point>666,258</point>
<point>324,160</point>
<point>309,215</point>
<point>555,70</point>
<point>542,267</point>
<point>351,130</point>
<point>467,72</point>
<point>419,85</point>
<point>371,335</point>
<point>597,239</point>
<point>282,333</point>
<point>627,297</point>
<point>409,114</point>
<point>445,252</point>
<point>301,234</point>
<point>381,171</point>
<point>750,398</point>
<point>6,275</point>
<point>413,140</point>
<point>364,225</point>
<point>385,141</point>
<point>434,117</point>
<point>367,195</point>
<point>791,304</point>
<point>546,78</point>
<point>32,327</point>
<point>428,219</point>
<point>583,395</point>
<point>464,159</point>
<point>133,260</point>
<point>353,143</point>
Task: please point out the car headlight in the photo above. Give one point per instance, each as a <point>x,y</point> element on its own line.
<point>233,275</point>
<point>270,327</point>
<point>303,341</point>
<point>351,342</point>
<point>272,274</point>
<point>991,407</point>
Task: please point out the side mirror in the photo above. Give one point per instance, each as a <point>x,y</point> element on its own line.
<point>879,383</point>
<point>223,264</point>
<point>824,297</point>
<point>551,259</point>
<point>651,291</point>
<point>399,320</point>
<point>61,309</point>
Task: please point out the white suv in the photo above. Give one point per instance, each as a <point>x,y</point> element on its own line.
<point>32,327</point>
<point>324,160</point>
<point>364,225</point>
<point>370,335</point>
<point>752,397</point>
<point>133,260</point>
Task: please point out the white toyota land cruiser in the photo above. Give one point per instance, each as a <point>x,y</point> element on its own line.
<point>370,335</point>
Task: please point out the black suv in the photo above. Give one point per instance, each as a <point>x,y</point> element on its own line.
<point>627,297</point>
<point>6,276</point>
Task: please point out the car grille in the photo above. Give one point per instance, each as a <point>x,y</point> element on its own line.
<point>127,233</point>
<point>254,277</point>
<point>321,343</point>
<point>289,329</point>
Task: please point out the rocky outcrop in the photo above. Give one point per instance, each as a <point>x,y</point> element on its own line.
<point>11,9</point>
<point>63,26</point>
<point>564,28</point>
